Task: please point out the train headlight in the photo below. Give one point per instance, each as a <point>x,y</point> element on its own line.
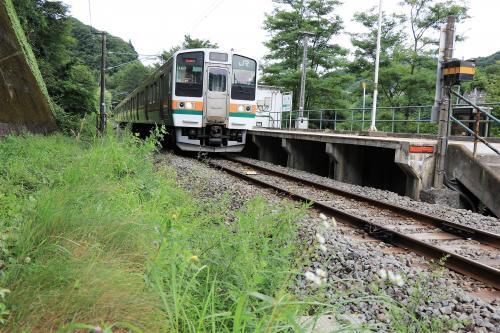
<point>241,108</point>
<point>248,108</point>
<point>181,104</point>
<point>189,105</point>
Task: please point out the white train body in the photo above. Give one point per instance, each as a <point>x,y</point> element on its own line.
<point>206,97</point>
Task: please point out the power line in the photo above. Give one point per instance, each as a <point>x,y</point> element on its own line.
<point>151,57</point>
<point>137,54</point>
<point>209,10</point>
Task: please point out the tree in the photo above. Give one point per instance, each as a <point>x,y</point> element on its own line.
<point>365,44</point>
<point>487,79</point>
<point>188,43</point>
<point>77,90</point>
<point>286,25</point>
<point>126,79</point>
<point>87,48</point>
<point>407,69</point>
<point>391,55</point>
<point>68,53</point>
<point>493,59</point>
<point>427,16</point>
<point>48,28</point>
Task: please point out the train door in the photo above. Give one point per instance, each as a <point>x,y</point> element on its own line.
<point>217,95</point>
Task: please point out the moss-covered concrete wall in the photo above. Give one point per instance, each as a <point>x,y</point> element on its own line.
<point>24,101</point>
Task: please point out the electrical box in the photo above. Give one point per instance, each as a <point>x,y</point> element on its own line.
<point>302,123</point>
<point>456,71</point>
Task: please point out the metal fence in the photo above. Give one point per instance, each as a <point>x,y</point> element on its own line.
<point>402,119</point>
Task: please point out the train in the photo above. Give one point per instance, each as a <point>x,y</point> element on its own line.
<point>205,98</point>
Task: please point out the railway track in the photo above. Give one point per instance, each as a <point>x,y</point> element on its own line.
<point>472,252</point>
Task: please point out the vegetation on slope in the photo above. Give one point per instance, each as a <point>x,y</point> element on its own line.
<point>26,81</point>
<point>68,53</point>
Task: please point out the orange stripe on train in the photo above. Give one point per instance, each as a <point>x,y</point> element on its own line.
<point>197,106</point>
<point>234,108</point>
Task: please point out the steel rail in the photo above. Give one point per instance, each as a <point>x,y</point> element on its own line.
<point>445,225</point>
<point>456,262</point>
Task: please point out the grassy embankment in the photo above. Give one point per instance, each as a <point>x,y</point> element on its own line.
<point>92,234</point>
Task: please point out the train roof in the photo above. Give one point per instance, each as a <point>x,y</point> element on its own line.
<point>230,52</point>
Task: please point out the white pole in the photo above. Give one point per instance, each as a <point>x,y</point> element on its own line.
<point>303,78</point>
<point>377,60</point>
<point>364,104</point>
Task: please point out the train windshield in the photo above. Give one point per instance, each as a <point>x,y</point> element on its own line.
<point>189,74</point>
<point>244,77</point>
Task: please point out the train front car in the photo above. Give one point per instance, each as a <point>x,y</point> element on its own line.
<point>213,102</point>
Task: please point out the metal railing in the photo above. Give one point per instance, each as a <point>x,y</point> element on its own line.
<point>477,122</point>
<point>402,119</point>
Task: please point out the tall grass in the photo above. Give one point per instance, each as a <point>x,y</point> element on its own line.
<point>80,232</point>
<point>93,234</point>
<point>213,276</point>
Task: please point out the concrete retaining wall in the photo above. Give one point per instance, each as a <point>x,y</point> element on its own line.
<point>24,101</point>
<point>480,175</point>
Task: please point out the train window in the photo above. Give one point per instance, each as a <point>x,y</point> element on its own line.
<point>244,77</point>
<point>217,56</point>
<point>217,78</point>
<point>189,74</point>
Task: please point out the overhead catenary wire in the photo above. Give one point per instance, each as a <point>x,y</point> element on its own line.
<point>137,54</point>
<point>210,9</point>
<point>129,62</point>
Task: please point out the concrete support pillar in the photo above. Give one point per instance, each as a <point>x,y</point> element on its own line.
<point>267,149</point>
<point>346,162</point>
<point>297,156</point>
<point>306,155</point>
<point>418,168</point>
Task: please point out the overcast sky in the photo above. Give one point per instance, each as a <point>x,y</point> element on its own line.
<point>156,25</point>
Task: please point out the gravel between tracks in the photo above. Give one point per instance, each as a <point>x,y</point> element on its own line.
<point>460,216</point>
<point>359,261</point>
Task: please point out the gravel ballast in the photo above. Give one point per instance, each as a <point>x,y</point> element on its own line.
<point>348,255</point>
<point>460,216</point>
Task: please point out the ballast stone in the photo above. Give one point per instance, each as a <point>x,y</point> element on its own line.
<point>441,197</point>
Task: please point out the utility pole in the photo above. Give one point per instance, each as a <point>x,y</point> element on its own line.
<point>304,70</point>
<point>444,109</point>
<point>377,61</point>
<point>101,119</point>
<point>439,76</point>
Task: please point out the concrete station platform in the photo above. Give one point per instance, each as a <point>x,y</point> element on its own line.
<point>401,164</point>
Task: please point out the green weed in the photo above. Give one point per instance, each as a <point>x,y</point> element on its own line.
<point>95,235</point>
